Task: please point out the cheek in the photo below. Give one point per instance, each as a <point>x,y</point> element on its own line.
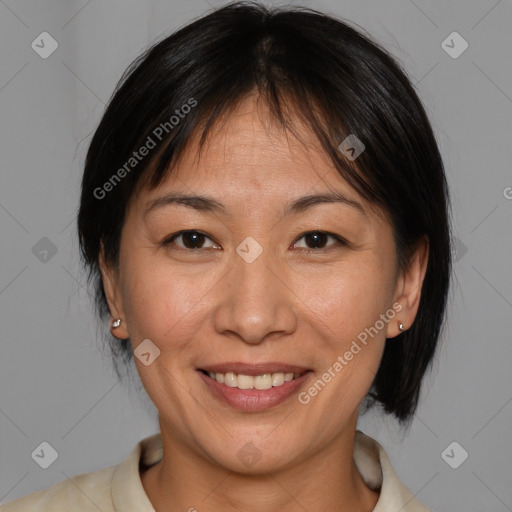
<point>160,302</point>
<point>346,306</point>
<point>348,298</point>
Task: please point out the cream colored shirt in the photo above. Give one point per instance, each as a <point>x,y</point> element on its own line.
<point>119,488</point>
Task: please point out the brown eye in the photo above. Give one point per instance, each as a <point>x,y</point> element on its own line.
<point>190,239</point>
<point>318,239</point>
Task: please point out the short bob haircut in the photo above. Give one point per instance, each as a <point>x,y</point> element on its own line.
<point>307,67</point>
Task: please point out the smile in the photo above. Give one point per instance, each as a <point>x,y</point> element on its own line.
<point>253,387</point>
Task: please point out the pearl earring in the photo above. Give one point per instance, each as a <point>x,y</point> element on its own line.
<point>116,323</point>
<point>401,326</point>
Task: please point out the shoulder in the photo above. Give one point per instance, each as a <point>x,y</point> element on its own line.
<point>111,489</point>
<point>84,493</point>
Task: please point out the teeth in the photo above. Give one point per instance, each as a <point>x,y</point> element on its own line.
<point>265,381</point>
<point>277,379</point>
<point>230,380</point>
<point>245,382</point>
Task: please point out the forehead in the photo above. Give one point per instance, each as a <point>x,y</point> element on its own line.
<point>251,170</point>
<point>248,152</point>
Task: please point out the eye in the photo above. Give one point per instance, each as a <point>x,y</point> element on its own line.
<point>190,239</point>
<point>317,239</point>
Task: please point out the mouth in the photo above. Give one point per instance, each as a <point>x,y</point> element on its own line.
<point>253,387</point>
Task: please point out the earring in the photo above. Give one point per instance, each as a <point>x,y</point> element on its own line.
<point>116,323</point>
<point>401,326</point>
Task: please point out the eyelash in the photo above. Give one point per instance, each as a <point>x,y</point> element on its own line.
<point>341,241</point>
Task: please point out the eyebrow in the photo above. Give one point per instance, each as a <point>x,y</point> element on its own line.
<point>303,203</point>
<point>199,203</point>
<point>208,204</point>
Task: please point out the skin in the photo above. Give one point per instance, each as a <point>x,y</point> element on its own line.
<point>207,305</point>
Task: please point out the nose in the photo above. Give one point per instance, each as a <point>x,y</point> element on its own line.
<point>256,303</point>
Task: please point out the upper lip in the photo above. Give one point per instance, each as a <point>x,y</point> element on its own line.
<point>254,368</point>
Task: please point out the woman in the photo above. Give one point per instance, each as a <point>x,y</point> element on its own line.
<point>264,212</point>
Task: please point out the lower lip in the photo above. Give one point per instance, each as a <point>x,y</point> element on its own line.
<point>254,400</point>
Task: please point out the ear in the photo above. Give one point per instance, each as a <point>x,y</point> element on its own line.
<point>110,279</point>
<point>408,288</point>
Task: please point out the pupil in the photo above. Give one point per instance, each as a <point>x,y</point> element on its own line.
<point>315,239</point>
<point>195,237</point>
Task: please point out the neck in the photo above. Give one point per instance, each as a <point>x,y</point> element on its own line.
<point>186,480</point>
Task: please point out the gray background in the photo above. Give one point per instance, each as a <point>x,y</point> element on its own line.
<point>55,384</point>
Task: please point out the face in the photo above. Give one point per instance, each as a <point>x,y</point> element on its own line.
<point>257,284</point>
